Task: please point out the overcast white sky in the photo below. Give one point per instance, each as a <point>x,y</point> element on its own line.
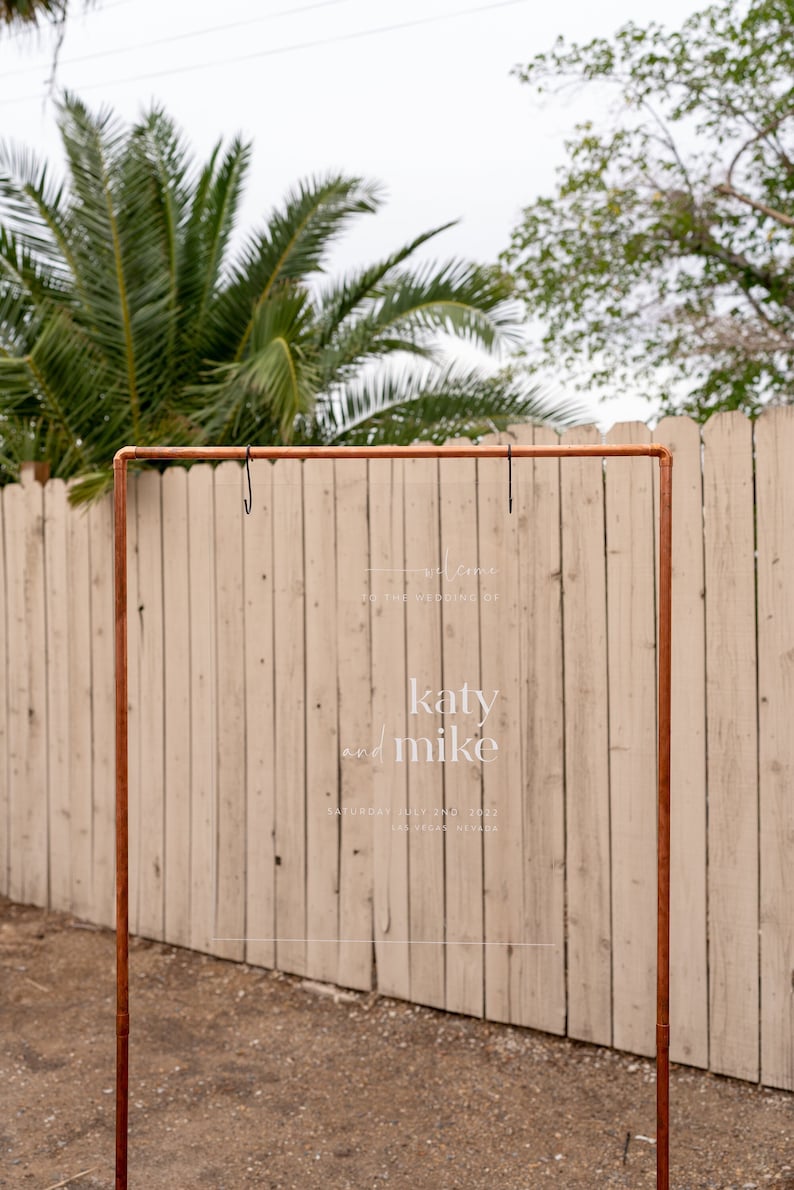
<point>417,94</point>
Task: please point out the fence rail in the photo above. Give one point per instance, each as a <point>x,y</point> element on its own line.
<point>253,673</point>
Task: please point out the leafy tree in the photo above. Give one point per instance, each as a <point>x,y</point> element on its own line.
<point>127,317</point>
<point>666,252</point>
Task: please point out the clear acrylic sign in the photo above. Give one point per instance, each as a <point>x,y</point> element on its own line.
<point>401,726</point>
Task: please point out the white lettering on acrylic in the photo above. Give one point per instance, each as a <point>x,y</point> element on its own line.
<point>445,702</point>
<point>450,572</point>
<point>448,743</point>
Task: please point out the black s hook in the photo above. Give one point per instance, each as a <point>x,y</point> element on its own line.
<point>249,503</point>
<point>509,478</point>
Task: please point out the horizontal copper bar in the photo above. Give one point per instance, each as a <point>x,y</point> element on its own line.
<point>422,450</point>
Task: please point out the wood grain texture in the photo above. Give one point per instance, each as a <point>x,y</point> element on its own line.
<point>355,723</point>
<point>631,659</point>
<point>586,745</point>
<point>59,691</point>
<point>176,704</point>
<point>201,538</point>
<point>135,695</point>
<point>542,736</point>
<point>323,830</point>
<point>460,632</point>
<point>290,734</point>
<point>502,837</point>
<point>386,583</point>
<point>100,519</point>
<point>774,446</point>
<point>688,946</point>
<point>5,807</point>
<point>237,656</point>
<point>427,907</point>
<point>27,694</point>
<point>230,796</point>
<point>732,745</point>
<point>149,855</point>
<point>260,721</point>
<point>81,715</point>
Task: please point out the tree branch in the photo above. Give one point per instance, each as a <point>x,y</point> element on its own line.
<point>761,134</point>
<point>731,192</point>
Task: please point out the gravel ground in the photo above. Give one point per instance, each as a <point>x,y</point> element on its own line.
<point>242,1077</point>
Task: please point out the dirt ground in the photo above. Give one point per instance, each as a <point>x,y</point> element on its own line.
<point>241,1077</point>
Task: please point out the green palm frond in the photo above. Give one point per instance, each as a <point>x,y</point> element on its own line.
<point>27,293</point>
<point>31,12</point>
<point>274,384</point>
<point>409,312</point>
<point>215,203</point>
<point>338,301</point>
<point>294,244</point>
<point>161,154</point>
<point>430,407</point>
<point>460,299</point>
<point>19,320</point>
<point>121,251</point>
<point>363,342</point>
<point>22,440</point>
<point>23,272</point>
<point>90,486</point>
<point>60,379</point>
<point>126,314</point>
<point>34,209</point>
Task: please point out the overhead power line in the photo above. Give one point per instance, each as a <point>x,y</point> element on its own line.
<point>147,45</point>
<point>295,47</point>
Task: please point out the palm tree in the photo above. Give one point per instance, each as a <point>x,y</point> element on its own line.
<point>126,316</point>
<point>31,12</point>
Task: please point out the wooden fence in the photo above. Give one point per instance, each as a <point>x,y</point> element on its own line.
<point>270,655</point>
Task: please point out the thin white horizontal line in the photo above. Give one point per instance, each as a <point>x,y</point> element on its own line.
<point>392,941</point>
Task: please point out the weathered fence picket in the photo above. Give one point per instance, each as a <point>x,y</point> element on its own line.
<point>271,667</point>
<point>631,638</point>
<point>732,750</point>
<point>774,442</point>
<point>688,947</point>
<point>389,782</point>
<point>176,701</point>
<point>586,699</point>
<point>542,736</point>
